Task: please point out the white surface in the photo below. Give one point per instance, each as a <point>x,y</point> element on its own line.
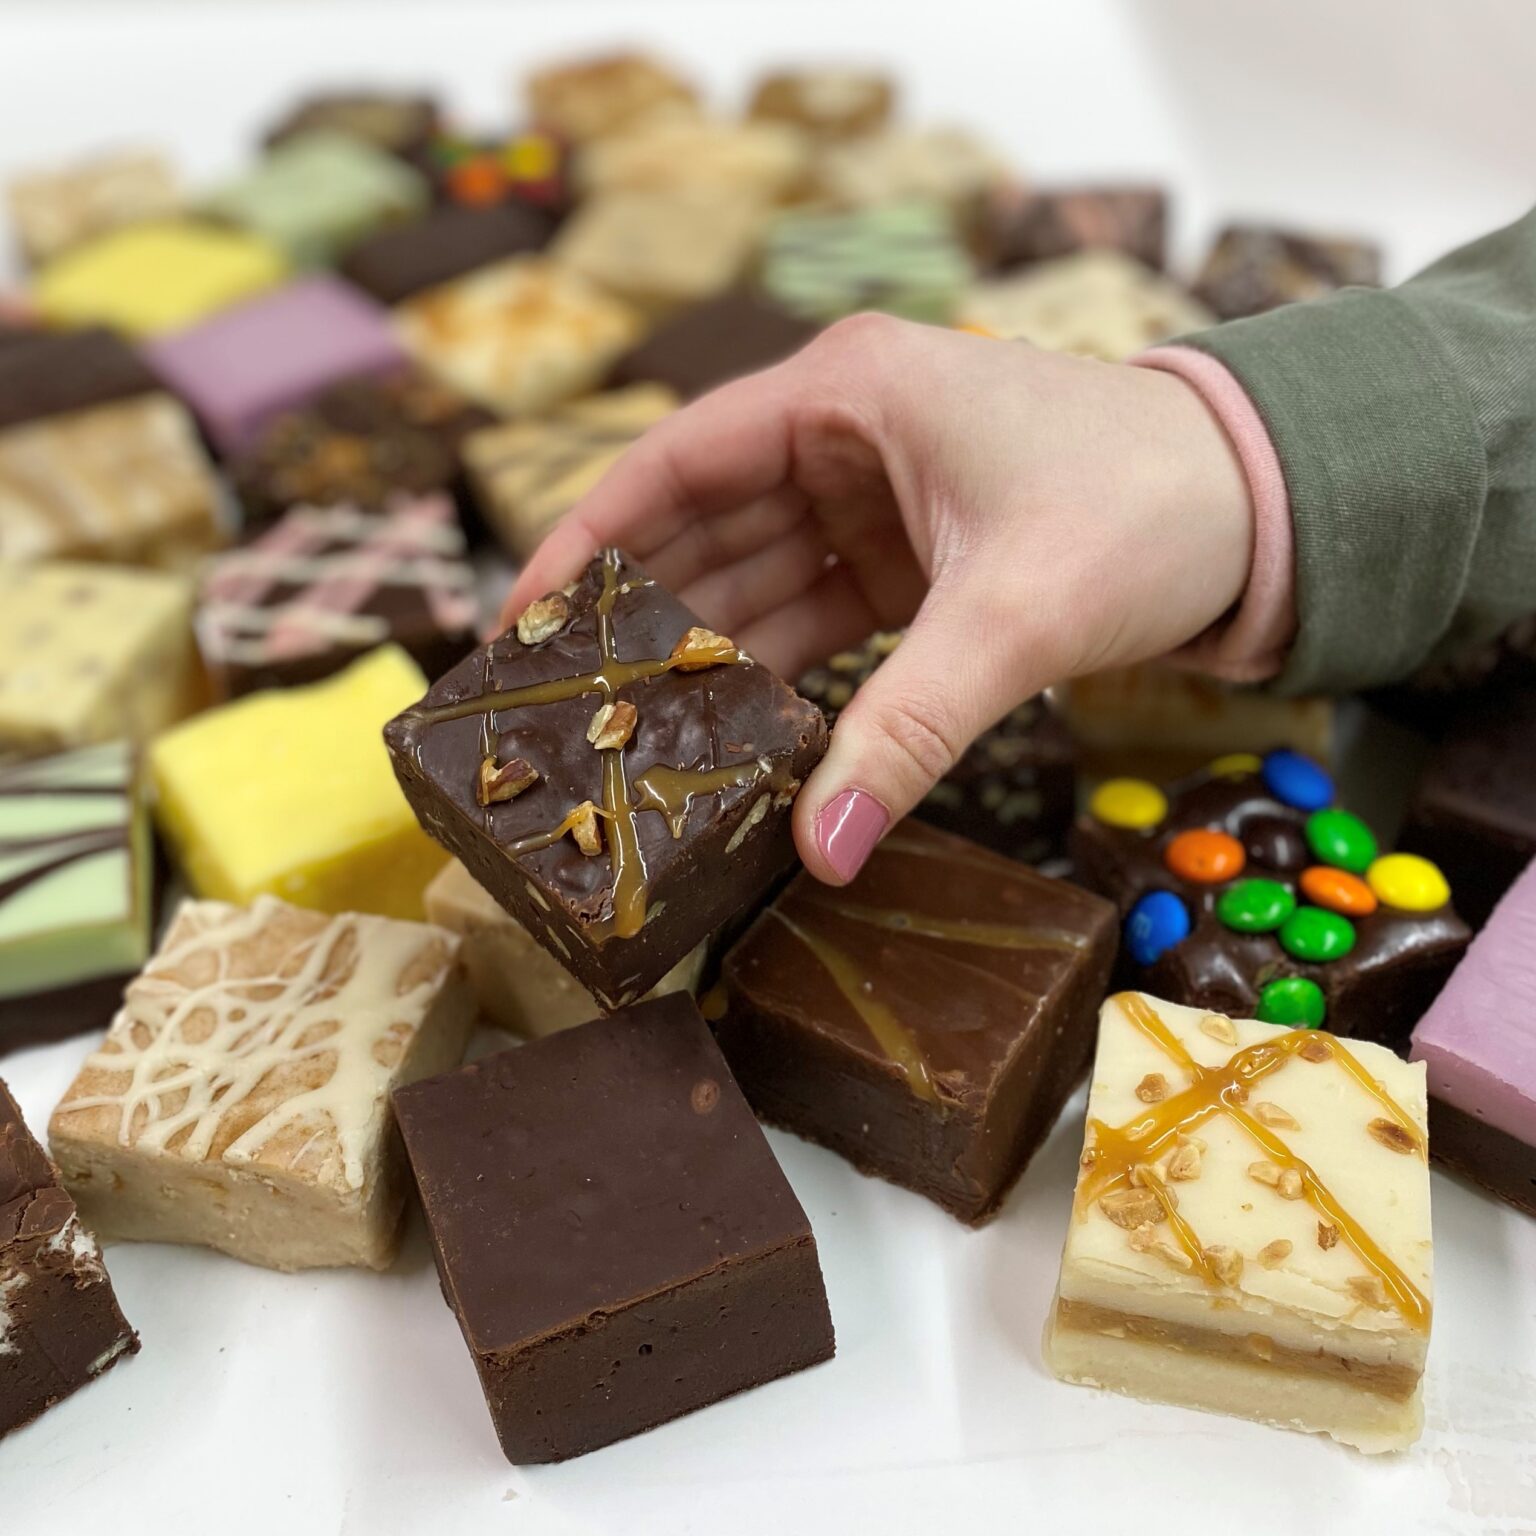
<point>346,1402</point>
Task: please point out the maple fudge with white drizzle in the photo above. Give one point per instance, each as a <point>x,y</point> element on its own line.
<point>616,775</point>
<point>1251,1230</point>
<point>241,1098</point>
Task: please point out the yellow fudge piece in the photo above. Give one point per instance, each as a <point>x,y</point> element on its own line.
<point>158,277</point>
<point>290,793</point>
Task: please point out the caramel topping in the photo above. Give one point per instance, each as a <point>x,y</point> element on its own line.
<point>672,791</point>
<point>988,935</point>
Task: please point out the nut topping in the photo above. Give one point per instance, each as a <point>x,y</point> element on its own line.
<point>1219,1027</point>
<point>612,725</point>
<point>1327,1234</point>
<point>1153,1088</point>
<point>1226,1263</point>
<point>701,648</point>
<point>496,784</point>
<point>1290,1186</point>
<point>1393,1136</point>
<point>584,828</point>
<point>1131,1208</point>
<point>1368,1289</point>
<point>543,617</point>
<point>1275,1253</point>
<point>1316,1049</point>
<point>1270,1114</point>
<point>1266,1172</point>
<point>1184,1165</point>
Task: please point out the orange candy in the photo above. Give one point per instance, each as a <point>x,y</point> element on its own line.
<point>1338,890</point>
<point>478,181</point>
<point>1205,855</point>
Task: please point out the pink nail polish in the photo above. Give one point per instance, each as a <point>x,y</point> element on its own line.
<point>847,828</point>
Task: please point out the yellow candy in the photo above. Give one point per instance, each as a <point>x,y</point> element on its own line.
<point>1130,803</point>
<point>1235,765</point>
<point>1407,882</point>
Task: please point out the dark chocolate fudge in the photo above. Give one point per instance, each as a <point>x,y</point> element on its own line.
<point>53,374</point>
<point>928,1021</point>
<point>1246,890</point>
<point>1253,267</point>
<point>612,1230</point>
<point>60,1326</point>
<point>1061,221</point>
<point>617,776</point>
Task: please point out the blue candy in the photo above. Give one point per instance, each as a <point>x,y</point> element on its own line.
<point>1157,922</point>
<point>1297,781</point>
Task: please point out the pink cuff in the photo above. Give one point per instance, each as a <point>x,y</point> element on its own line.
<point>1250,644</point>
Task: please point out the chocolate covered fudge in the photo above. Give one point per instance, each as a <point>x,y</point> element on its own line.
<point>1046,223</point>
<point>660,1262</point>
<point>45,374</point>
<point>60,1326</point>
<point>616,775</point>
<point>1255,267</point>
<point>927,1021</point>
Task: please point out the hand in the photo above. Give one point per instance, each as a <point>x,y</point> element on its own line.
<point>1031,516</point>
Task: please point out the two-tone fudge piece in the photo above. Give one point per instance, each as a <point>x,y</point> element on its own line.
<point>56,209</point>
<point>927,1021</point>
<point>241,1097</point>
<point>588,99</point>
<point>945,165</point>
<point>76,890</point>
<point>1250,1233</point>
<point>1248,890</point>
<point>320,822</point>
<point>1255,267</point>
<point>1043,224</point>
<point>60,1326</point>
<point>92,653</point>
<point>399,122</point>
<point>616,775</point>
<point>1478,1042</point>
<point>57,373</point>
<point>661,1260</point>
<point>828,103</point>
<point>325,584</point>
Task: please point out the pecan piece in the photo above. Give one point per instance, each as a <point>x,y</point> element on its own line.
<point>1226,1263</point>
<point>504,781</point>
<point>1132,1208</point>
<point>1392,1135</point>
<point>613,725</point>
<point>544,617</point>
<point>701,648</point>
<point>584,828</point>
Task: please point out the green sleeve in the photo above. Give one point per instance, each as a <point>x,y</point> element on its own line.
<point>1405,424</point>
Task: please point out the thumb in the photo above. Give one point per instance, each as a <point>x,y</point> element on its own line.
<point>907,726</point>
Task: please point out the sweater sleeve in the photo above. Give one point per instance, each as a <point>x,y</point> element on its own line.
<point>1405,425</point>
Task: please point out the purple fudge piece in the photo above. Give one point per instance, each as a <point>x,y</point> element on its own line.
<point>249,364</point>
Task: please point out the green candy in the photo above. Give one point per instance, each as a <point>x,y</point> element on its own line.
<point>1341,839</point>
<point>1292,1000</point>
<point>1255,906</point>
<point>1312,934</point>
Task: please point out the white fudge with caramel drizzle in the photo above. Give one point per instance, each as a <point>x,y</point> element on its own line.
<point>241,1098</point>
<point>1250,1233</point>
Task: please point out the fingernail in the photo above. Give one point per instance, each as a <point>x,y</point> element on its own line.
<point>847,828</point>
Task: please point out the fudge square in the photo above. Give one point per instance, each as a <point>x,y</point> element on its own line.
<point>60,1326</point>
<point>617,776</point>
<point>1250,1233</point>
<point>1478,1042</point>
<point>927,1021</point>
<point>241,1099</point>
<point>612,1230</point>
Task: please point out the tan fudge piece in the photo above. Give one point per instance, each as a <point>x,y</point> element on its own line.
<point>53,210</point>
<point>945,165</point>
<point>769,162</point>
<point>829,103</point>
<point>593,97</point>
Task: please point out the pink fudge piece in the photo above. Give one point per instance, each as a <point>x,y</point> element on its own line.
<point>1478,1040</point>
<point>245,366</point>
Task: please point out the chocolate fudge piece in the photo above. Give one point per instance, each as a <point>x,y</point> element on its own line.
<point>397,121</point>
<point>56,209</point>
<point>1061,221</point>
<point>1255,267</point>
<point>60,1326</point>
<point>325,584</point>
<point>1478,1042</point>
<point>657,1261</point>
<point>616,775</point>
<point>927,1021</point>
<point>44,374</point>
<point>1247,890</point>
<point>712,343</point>
<point>1014,789</point>
<point>828,102</point>
<point>446,243</point>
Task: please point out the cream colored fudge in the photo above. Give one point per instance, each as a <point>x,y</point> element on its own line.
<point>521,986</point>
<point>1250,1233</point>
<point>590,98</point>
<point>55,209</point>
<point>241,1099</point>
<point>766,161</point>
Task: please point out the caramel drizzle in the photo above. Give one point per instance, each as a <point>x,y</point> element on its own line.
<point>1116,1152</point>
<point>672,791</point>
<point>961,931</point>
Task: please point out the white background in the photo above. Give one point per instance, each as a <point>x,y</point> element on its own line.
<point>346,1402</point>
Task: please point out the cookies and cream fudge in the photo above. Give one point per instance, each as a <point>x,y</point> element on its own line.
<point>1250,1233</point>
<point>587,99</point>
<point>54,209</point>
<point>241,1098</point>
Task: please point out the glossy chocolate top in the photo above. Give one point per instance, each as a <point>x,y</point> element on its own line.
<point>24,1166</point>
<point>50,374</point>
<point>1480,770</point>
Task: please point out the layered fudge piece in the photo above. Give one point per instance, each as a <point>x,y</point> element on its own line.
<point>616,775</point>
<point>1246,889</point>
<point>1015,787</point>
<point>1099,303</point>
<point>315,194</point>
<point>528,474</point>
<point>712,343</point>
<point>56,209</point>
<point>60,1326</point>
<point>93,653</point>
<point>903,258</point>
<point>520,336</point>
<point>1478,1043</point>
<point>590,98</point>
<point>1250,1233</point>
<point>241,369</point>
<point>321,823</point>
<point>400,262</point>
<point>46,374</point>
<point>399,122</point>
<point>1255,267</point>
<point>241,1098</point>
<point>127,483</point>
<point>661,1262</point>
<point>325,584</point>
<point>530,169</point>
<point>927,1021</point>
<point>1047,223</point>
<point>829,103</point>
<point>768,162</point>
<point>76,890</point>
<point>150,279</point>
<point>517,985</point>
